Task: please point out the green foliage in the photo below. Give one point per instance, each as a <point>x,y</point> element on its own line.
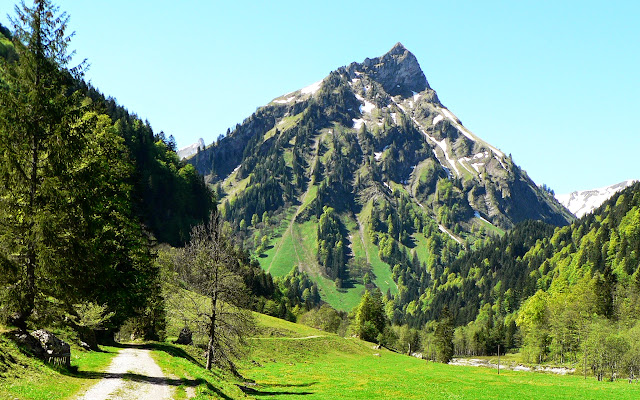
<point>370,318</point>
<point>66,187</point>
<point>325,318</point>
<point>331,243</point>
<point>443,336</point>
<point>90,315</point>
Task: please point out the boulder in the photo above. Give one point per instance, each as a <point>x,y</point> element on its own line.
<point>55,350</point>
<point>29,344</point>
<point>185,336</point>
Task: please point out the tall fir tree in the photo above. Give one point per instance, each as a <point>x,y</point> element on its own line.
<point>36,145</point>
<point>68,233</point>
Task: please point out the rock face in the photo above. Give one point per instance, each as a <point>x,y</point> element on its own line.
<point>398,71</point>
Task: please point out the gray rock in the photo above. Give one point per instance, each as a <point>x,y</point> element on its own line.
<point>51,344</point>
<point>29,343</point>
<point>397,71</point>
<point>185,336</point>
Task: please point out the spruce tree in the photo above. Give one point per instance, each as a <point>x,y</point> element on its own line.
<point>69,234</point>
<point>444,336</point>
<point>37,142</point>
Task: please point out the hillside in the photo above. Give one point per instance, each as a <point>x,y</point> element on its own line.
<point>407,186</point>
<point>558,294</point>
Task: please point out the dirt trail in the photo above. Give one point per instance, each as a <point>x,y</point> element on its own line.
<point>133,374</point>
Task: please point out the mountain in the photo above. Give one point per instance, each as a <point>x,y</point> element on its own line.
<point>585,201</point>
<point>190,150</point>
<point>366,178</point>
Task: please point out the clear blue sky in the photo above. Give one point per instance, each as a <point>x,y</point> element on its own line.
<point>554,83</point>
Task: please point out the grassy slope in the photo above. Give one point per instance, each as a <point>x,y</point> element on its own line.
<point>289,359</point>
<point>295,360</point>
<point>384,279</point>
<point>22,377</point>
<point>297,246</point>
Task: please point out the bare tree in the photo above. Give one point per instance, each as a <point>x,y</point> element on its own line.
<point>210,266</point>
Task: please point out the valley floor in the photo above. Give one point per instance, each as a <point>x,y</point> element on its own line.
<point>288,360</point>
<point>331,367</point>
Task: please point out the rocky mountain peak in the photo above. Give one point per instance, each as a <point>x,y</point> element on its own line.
<point>398,71</point>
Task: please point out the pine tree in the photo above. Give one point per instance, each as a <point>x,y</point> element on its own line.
<point>69,233</point>
<point>370,316</point>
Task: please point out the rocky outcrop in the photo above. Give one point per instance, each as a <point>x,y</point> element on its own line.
<point>398,71</point>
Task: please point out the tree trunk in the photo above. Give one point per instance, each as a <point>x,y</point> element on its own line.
<point>212,332</point>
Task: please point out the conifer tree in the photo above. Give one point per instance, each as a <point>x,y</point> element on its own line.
<point>69,234</point>
<point>444,336</point>
<point>37,142</point>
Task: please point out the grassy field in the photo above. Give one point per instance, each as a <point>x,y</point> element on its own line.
<point>182,365</point>
<point>290,360</point>
<point>295,360</point>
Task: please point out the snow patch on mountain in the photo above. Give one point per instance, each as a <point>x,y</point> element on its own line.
<point>357,123</point>
<point>477,215</point>
<point>477,166</point>
<point>444,230</point>
<point>456,122</point>
<point>583,202</point>
<point>311,89</point>
<point>437,119</point>
<point>190,150</point>
<point>285,101</point>
<point>367,107</point>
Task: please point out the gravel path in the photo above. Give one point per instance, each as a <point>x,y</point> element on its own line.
<point>143,379</point>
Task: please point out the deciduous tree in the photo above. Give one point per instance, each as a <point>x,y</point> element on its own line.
<point>211,269</point>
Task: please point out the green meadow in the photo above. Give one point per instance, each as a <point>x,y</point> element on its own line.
<point>289,360</point>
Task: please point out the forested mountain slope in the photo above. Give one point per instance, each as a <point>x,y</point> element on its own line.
<point>169,195</point>
<point>567,289</point>
<point>365,178</point>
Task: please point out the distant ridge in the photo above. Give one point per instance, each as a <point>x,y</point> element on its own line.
<point>192,149</point>
<point>583,202</point>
